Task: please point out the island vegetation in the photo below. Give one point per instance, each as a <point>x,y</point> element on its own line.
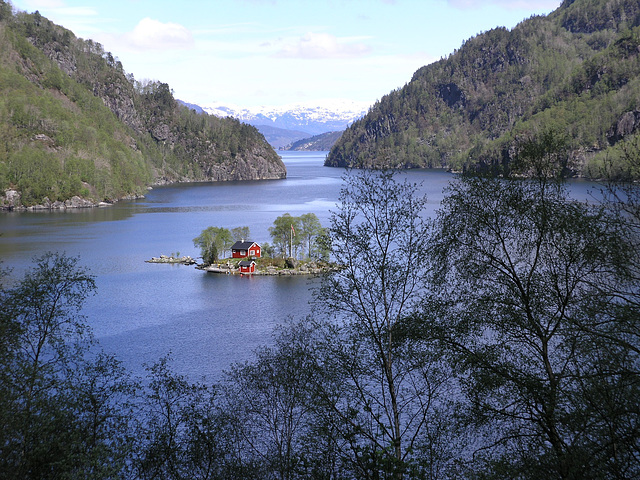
<point>300,246</point>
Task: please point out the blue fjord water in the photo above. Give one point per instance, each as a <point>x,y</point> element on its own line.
<point>144,311</point>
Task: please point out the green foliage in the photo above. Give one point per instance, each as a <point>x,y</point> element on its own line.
<point>321,142</point>
<point>5,10</point>
<point>267,250</point>
<point>310,229</point>
<point>240,234</point>
<point>283,234</point>
<point>543,156</point>
<point>272,400</point>
<point>176,419</point>
<point>77,104</point>
<point>47,138</point>
<point>533,326</point>
<point>499,341</point>
<point>63,412</point>
<point>213,241</point>
<point>574,71</point>
<point>388,384</point>
<point>291,235</point>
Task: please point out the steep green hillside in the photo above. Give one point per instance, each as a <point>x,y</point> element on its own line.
<point>574,73</point>
<point>321,142</point>
<point>72,122</point>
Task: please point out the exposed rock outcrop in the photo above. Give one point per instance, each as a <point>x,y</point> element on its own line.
<point>184,260</point>
<point>626,125</point>
<point>104,135</point>
<point>271,270</point>
<point>11,201</point>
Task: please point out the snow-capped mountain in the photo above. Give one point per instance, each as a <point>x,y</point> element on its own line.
<point>308,118</point>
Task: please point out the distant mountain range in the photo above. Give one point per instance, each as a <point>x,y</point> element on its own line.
<point>287,124</point>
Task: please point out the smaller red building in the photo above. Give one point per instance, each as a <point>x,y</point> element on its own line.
<point>247,266</point>
<point>244,249</point>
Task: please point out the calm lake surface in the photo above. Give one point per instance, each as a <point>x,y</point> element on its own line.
<point>206,321</point>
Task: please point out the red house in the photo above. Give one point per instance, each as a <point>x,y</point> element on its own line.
<point>247,266</point>
<point>244,249</point>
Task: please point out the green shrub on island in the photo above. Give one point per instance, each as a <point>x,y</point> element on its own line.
<point>213,242</point>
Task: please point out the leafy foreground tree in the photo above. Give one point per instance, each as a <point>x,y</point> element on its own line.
<point>537,330</point>
<point>500,342</point>
<point>63,413</point>
<point>277,414</point>
<point>182,431</point>
<point>384,391</point>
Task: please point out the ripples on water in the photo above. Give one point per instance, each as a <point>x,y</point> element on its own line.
<point>144,311</point>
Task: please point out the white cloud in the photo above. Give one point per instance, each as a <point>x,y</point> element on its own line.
<point>509,4</point>
<point>322,45</point>
<point>150,34</point>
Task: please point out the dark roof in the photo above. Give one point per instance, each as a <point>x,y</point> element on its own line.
<point>242,245</point>
<point>246,263</point>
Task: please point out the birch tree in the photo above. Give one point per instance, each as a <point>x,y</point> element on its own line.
<point>529,282</point>
<point>381,385</point>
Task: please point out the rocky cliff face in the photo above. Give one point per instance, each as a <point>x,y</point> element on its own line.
<point>107,135</point>
<point>255,166</point>
<point>151,109</point>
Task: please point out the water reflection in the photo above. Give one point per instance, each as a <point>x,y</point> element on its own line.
<point>144,311</point>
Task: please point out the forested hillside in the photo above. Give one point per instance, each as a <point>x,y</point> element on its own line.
<point>321,142</point>
<point>572,75</point>
<point>74,123</point>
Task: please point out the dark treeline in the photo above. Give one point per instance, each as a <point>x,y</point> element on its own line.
<point>499,340</point>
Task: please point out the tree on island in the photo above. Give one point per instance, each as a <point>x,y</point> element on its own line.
<point>310,229</point>
<point>240,234</point>
<point>283,234</point>
<point>212,242</point>
<point>290,234</point>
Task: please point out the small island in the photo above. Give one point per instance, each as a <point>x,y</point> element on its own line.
<point>173,258</point>
<point>254,266</point>
<point>304,254</point>
<point>270,266</point>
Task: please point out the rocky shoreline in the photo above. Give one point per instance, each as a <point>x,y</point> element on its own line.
<point>11,202</point>
<point>272,270</point>
<point>184,260</point>
<point>290,268</point>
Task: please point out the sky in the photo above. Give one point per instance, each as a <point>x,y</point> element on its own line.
<point>250,53</point>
